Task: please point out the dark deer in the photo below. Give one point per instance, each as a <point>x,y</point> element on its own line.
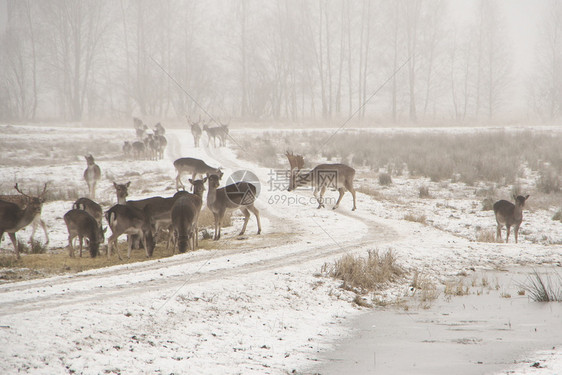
<point>92,175</point>
<point>22,201</point>
<point>238,195</point>
<point>91,207</point>
<point>14,218</point>
<point>185,215</point>
<point>509,214</point>
<point>125,219</point>
<point>81,224</point>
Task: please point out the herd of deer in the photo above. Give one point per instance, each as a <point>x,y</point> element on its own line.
<point>219,132</point>
<point>141,219</point>
<point>149,146</point>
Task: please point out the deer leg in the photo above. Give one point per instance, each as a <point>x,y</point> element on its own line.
<point>80,238</point>
<point>516,232</point>
<point>352,191</point>
<point>218,220</point>
<point>178,181</point>
<point>44,230</point>
<point>507,235</point>
<point>129,247</point>
<point>256,213</point>
<point>321,200</point>
<point>246,219</point>
<point>342,192</point>
<point>70,247</point>
<point>15,243</point>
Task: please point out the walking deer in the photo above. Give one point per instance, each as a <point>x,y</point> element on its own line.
<point>238,195</point>
<point>185,216</point>
<point>92,174</point>
<point>80,223</point>
<point>14,218</point>
<point>195,167</point>
<point>335,176</point>
<point>509,214</point>
<point>125,219</point>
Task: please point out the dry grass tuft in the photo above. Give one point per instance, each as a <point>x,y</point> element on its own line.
<point>416,218</point>
<point>544,288</point>
<point>486,235</point>
<point>363,275</point>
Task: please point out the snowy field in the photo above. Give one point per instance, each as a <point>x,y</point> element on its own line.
<point>254,305</point>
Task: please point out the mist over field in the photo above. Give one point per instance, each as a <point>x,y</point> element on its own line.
<point>457,61</point>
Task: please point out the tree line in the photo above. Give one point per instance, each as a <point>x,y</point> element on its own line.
<point>284,60</point>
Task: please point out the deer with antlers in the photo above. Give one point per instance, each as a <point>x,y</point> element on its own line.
<point>13,217</point>
<point>335,176</point>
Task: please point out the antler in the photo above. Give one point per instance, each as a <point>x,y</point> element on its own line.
<point>21,192</point>
<point>296,161</point>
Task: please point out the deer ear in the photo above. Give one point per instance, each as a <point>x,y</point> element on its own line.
<point>205,180</point>
<point>104,229</point>
<point>128,183</point>
<point>527,197</point>
<point>191,181</point>
<point>514,197</point>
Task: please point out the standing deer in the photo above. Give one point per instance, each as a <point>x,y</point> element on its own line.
<point>122,191</point>
<point>127,149</point>
<point>223,134</point>
<point>335,176</point>
<point>139,150</point>
<point>91,207</point>
<point>159,130</point>
<point>213,133</point>
<point>161,143</point>
<point>129,220</point>
<point>14,218</point>
<point>238,195</point>
<point>80,223</point>
<point>509,214</point>
<point>92,174</point>
<point>185,215</point>
<point>196,133</point>
<point>195,167</point>
<point>22,201</point>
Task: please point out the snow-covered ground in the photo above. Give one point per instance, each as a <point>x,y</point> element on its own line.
<point>254,306</point>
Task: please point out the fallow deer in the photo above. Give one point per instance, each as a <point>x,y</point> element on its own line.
<point>22,201</point>
<point>139,150</point>
<point>509,214</point>
<point>238,195</point>
<point>92,175</point>
<point>80,223</point>
<point>185,216</point>
<point>195,132</point>
<point>195,167</point>
<point>91,207</point>
<point>125,219</point>
<point>14,218</point>
<point>127,149</point>
<point>335,176</point>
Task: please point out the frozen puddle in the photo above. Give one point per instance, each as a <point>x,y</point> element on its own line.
<point>472,334</point>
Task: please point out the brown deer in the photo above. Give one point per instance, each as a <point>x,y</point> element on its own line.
<point>185,215</point>
<point>238,195</point>
<point>195,132</point>
<point>122,191</point>
<point>22,201</point>
<point>139,150</point>
<point>80,223</point>
<point>509,214</point>
<point>213,133</point>
<point>92,175</point>
<point>335,176</point>
<point>125,219</point>
<point>127,149</point>
<point>91,207</point>
<point>14,218</point>
<point>195,167</point>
